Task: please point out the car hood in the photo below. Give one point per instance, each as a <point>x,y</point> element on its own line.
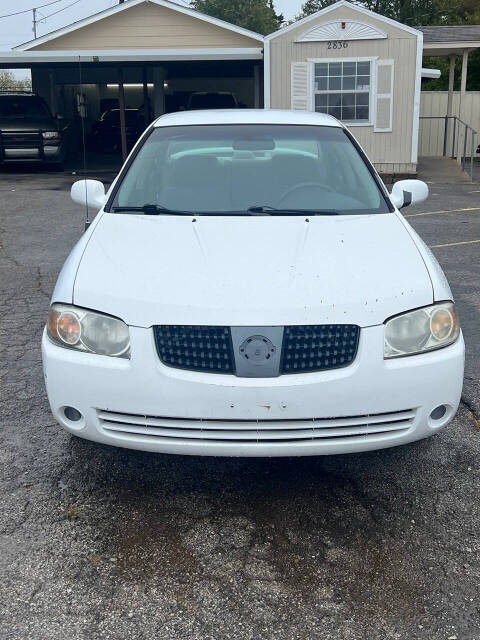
<point>251,271</point>
<point>28,124</point>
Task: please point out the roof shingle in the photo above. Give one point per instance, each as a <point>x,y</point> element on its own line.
<point>451,33</point>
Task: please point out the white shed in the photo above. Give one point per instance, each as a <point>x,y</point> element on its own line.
<point>358,66</point>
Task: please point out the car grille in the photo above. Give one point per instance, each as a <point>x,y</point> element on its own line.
<point>380,425</point>
<point>318,347</point>
<point>195,348</point>
<point>305,348</point>
<point>20,140</point>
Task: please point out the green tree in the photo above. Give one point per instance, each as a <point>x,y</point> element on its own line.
<point>256,15</point>
<point>10,83</point>
<point>411,12</point>
<point>459,12</point>
<point>312,6</point>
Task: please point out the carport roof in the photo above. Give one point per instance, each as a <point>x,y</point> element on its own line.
<point>21,59</point>
<point>450,39</point>
<point>453,33</point>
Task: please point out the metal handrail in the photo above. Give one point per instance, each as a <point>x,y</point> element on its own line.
<point>455,139</point>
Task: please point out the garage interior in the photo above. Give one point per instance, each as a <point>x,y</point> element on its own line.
<point>80,93</point>
<point>134,62</point>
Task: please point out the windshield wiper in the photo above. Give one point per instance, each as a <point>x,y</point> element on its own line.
<point>271,211</point>
<point>153,210</point>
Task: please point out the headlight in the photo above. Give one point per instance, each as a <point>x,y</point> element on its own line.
<point>84,330</point>
<point>421,330</point>
<point>51,136</point>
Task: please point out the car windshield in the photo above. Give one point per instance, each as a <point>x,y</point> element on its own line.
<point>250,169</point>
<point>23,106</point>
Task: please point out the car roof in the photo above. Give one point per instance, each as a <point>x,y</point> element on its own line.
<point>246,116</point>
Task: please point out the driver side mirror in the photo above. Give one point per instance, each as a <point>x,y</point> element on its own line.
<point>407,192</point>
<point>89,193</point>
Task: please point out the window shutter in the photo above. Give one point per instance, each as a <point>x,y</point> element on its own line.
<point>384,96</point>
<point>300,86</point>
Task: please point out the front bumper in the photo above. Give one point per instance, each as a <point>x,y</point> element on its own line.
<point>142,404</point>
<point>34,154</point>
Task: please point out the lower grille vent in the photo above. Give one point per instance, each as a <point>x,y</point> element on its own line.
<point>127,425</point>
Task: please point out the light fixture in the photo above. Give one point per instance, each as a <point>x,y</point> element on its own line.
<point>131,85</point>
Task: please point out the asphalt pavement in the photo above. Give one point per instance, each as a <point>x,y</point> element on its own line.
<point>104,543</point>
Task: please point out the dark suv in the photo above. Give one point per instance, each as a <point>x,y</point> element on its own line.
<point>28,131</point>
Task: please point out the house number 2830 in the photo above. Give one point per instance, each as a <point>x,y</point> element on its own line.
<point>337,44</point>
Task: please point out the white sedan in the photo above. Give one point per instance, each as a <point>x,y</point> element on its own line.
<point>250,288</point>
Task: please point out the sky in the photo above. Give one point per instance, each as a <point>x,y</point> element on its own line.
<point>18,29</point>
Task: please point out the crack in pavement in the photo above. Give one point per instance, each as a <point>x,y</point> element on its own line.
<point>471,411</point>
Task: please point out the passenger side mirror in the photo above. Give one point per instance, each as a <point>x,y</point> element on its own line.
<point>89,193</point>
<point>407,192</point>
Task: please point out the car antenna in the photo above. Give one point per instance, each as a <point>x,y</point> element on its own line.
<point>81,111</point>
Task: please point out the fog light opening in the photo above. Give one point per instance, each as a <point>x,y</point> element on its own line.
<point>439,412</point>
<point>72,414</point>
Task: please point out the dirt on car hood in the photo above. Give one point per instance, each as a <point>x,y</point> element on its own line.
<point>251,271</point>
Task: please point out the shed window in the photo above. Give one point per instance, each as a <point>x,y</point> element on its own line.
<point>342,89</point>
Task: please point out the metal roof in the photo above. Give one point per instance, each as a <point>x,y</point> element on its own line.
<point>451,33</point>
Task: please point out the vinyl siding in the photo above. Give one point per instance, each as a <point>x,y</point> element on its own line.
<point>148,26</point>
<point>383,148</point>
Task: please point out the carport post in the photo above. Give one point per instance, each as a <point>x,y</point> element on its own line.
<point>451,81</point>
<point>256,80</point>
<point>472,154</point>
<point>121,104</point>
<point>463,82</point>
<point>53,97</point>
<point>146,100</point>
<point>159,76</point>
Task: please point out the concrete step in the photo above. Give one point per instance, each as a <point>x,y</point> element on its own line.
<point>441,170</point>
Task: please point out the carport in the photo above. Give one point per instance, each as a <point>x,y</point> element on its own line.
<point>455,123</point>
<point>142,54</point>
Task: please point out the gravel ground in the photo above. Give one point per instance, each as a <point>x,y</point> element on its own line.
<point>98,542</point>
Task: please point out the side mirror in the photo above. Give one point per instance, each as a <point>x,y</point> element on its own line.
<point>406,192</point>
<point>90,193</point>
<point>59,116</point>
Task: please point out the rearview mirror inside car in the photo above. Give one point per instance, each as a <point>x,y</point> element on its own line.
<point>407,192</point>
<point>254,144</point>
<point>90,193</point>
